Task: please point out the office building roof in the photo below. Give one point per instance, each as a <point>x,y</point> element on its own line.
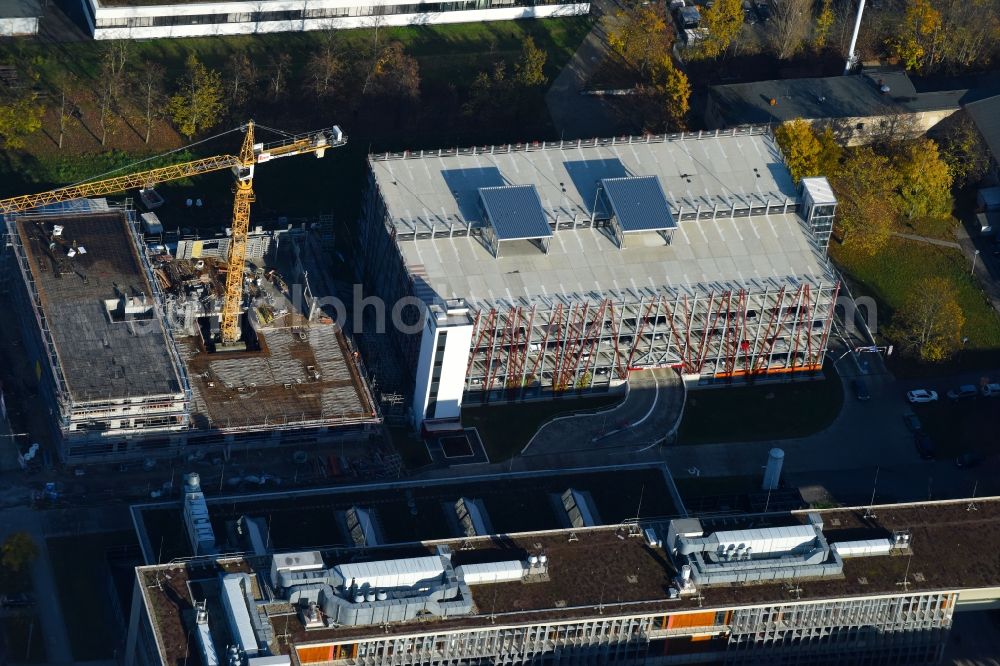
<point>787,99</point>
<point>431,200</point>
<point>607,572</point>
<point>985,114</point>
<point>874,93</point>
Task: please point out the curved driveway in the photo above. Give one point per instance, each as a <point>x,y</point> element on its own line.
<point>650,413</point>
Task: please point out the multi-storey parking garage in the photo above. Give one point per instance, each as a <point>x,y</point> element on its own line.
<point>561,266</point>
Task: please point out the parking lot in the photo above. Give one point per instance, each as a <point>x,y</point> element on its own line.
<point>960,423</point>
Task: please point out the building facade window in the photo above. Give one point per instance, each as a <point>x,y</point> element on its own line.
<point>316,13</point>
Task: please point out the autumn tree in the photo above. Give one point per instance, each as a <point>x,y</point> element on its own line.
<point>529,72</point>
<point>488,94</point>
<point>925,187</point>
<point>18,551</point>
<point>830,152</point>
<point>916,33</point>
<point>326,70</point>
<point>970,34</point>
<point>19,120</point>
<point>723,22</point>
<point>675,90</point>
<point>395,74</point>
<point>962,148</point>
<point>639,35</point>
<point>823,25</point>
<point>801,148</point>
<point>865,186</point>
<point>197,104</point>
<point>929,323</point>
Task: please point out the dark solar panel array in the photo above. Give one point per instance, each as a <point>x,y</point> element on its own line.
<point>515,212</point>
<point>638,203</point>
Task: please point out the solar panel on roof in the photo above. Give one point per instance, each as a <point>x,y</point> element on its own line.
<point>515,212</point>
<point>639,203</point>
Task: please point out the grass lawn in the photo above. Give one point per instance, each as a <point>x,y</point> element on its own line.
<point>24,639</point>
<point>80,566</point>
<point>962,427</point>
<point>748,413</point>
<point>931,228</point>
<point>890,275</point>
<point>506,429</point>
<point>442,50</point>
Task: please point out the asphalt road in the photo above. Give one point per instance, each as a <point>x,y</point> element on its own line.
<point>868,438</point>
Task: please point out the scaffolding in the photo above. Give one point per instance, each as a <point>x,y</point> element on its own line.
<point>767,329</point>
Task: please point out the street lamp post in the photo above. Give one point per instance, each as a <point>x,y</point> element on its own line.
<point>974,258</point>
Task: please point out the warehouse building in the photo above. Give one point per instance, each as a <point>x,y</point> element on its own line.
<point>872,585</point>
<point>145,19</point>
<point>120,351</point>
<point>556,267</point>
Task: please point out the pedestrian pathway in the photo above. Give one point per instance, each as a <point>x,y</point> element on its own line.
<point>927,239</point>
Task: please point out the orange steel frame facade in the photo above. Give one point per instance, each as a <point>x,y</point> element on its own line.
<point>767,328</point>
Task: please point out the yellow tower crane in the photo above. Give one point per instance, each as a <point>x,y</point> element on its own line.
<point>251,154</point>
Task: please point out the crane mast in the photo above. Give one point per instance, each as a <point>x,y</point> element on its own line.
<point>242,165</point>
<point>243,196</point>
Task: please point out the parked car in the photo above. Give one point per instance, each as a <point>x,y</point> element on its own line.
<point>687,18</point>
<point>911,421</point>
<point>970,459</point>
<point>991,391</point>
<point>963,392</point>
<point>18,600</point>
<point>921,395</point>
<point>860,389</point>
<point>763,10</point>
<point>924,444</point>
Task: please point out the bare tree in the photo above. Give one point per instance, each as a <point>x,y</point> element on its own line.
<point>105,115</point>
<point>279,73</point>
<point>326,67</point>
<point>151,86</point>
<point>64,81</point>
<point>116,57</point>
<point>790,26</point>
<point>375,22</point>
<point>243,76</point>
<point>112,72</point>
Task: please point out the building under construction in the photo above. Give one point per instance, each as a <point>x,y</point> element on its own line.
<point>560,266</point>
<point>123,343</point>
